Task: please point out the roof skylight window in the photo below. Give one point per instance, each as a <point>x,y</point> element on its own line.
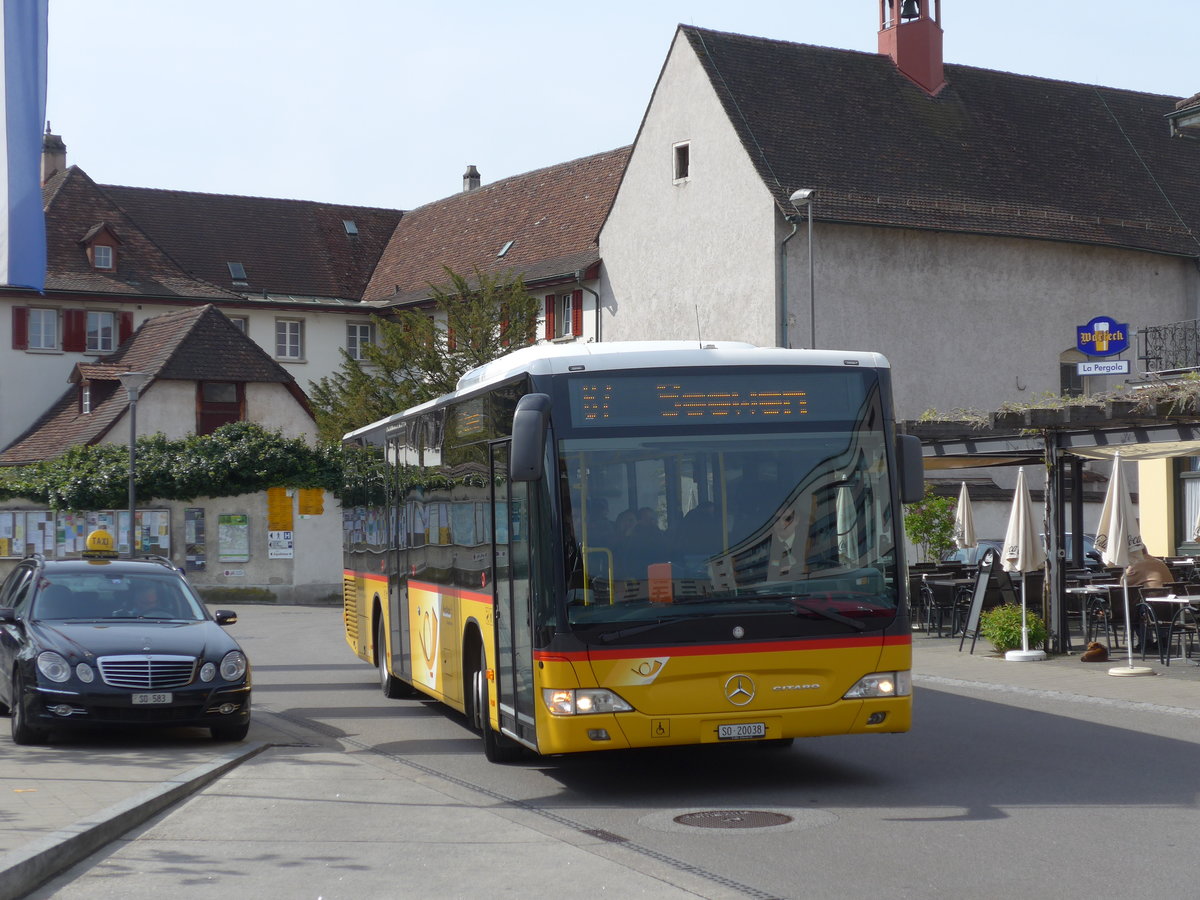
<point>237,271</point>
<point>350,226</point>
<point>505,249</point>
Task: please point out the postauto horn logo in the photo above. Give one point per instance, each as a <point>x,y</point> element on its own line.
<point>1102,337</point>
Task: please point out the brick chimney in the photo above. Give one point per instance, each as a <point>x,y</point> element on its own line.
<point>912,36</point>
<point>54,155</point>
<point>470,180</point>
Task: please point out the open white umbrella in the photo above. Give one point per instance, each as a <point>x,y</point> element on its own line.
<point>1022,553</point>
<point>1119,541</point>
<point>964,521</point>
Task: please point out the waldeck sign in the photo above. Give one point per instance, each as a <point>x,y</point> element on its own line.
<point>1102,337</point>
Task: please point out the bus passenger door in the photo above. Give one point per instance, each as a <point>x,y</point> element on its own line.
<point>513,614</point>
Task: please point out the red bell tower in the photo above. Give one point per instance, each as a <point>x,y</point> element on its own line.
<point>912,37</point>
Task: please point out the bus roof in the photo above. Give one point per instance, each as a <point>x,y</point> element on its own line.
<point>555,359</point>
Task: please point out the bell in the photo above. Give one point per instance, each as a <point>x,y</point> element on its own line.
<point>910,10</point>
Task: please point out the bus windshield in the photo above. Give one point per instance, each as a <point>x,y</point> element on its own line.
<point>787,519</point>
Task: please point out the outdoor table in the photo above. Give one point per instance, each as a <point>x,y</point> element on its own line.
<point>1177,603</point>
<point>1091,589</point>
<point>955,585</point>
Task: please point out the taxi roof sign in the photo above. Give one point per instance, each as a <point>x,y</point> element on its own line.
<point>100,545</point>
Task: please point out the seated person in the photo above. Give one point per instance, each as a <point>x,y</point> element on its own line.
<point>1149,571</point>
<point>149,601</point>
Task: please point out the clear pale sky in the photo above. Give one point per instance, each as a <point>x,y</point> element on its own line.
<point>385,102</point>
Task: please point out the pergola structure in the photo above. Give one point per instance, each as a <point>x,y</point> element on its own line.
<point>1060,440</point>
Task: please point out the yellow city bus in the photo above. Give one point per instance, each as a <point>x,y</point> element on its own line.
<point>639,545</point>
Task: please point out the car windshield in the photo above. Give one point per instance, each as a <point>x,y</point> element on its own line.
<point>115,595</point>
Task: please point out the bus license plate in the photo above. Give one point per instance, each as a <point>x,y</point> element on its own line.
<point>741,732</point>
<point>143,699</point>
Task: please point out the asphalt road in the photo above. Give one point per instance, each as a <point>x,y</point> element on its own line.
<point>994,792</point>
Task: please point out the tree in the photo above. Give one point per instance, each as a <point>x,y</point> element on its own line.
<point>416,357</point>
<point>929,524</point>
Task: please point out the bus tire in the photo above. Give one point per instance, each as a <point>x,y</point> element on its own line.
<point>496,747</point>
<point>393,688</point>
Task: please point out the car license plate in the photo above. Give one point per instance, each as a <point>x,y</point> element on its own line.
<point>742,731</point>
<point>144,699</point>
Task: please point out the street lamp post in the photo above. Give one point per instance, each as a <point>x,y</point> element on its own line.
<point>133,382</point>
<point>806,197</point>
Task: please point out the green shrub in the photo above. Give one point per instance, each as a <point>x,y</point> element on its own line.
<point>1002,626</point>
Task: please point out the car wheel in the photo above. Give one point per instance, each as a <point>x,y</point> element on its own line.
<point>230,732</point>
<point>393,688</point>
<point>496,747</point>
<point>22,731</point>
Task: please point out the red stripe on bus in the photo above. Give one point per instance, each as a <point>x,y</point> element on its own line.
<point>365,576</point>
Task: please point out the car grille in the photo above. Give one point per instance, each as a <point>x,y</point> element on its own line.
<point>147,673</point>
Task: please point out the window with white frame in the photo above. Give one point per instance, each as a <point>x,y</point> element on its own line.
<point>564,310</point>
<point>102,255</point>
<point>85,398</point>
<point>101,331</point>
<point>358,336</point>
<point>42,329</point>
<point>289,339</point>
<point>242,323</point>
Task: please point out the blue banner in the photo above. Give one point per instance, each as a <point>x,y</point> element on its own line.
<point>23,71</point>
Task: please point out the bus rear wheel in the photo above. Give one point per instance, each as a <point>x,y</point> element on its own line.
<point>496,747</point>
<point>393,688</point>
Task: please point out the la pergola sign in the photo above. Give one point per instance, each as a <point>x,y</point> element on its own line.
<point>1102,337</point>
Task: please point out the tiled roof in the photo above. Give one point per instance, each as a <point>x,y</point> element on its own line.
<point>552,217</point>
<point>288,247</point>
<point>75,209</point>
<point>194,344</point>
<point>992,153</point>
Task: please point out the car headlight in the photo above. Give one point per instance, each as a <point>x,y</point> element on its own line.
<point>85,673</point>
<point>582,701</point>
<point>881,684</point>
<point>233,666</point>
<point>53,666</point>
<point>208,671</point>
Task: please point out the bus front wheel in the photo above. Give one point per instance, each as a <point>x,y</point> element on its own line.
<point>496,747</point>
<point>393,688</point>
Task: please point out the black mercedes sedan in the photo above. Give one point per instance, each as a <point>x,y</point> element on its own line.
<point>116,642</point>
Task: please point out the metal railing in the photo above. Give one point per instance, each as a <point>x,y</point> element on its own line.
<point>1171,347</point>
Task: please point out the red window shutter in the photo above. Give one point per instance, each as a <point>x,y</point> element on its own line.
<point>74,330</point>
<point>504,339</point>
<point>124,326</point>
<point>549,317</point>
<point>451,339</point>
<point>20,328</point>
<point>577,313</point>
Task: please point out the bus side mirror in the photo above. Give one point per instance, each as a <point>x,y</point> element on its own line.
<point>529,438</point>
<point>912,468</point>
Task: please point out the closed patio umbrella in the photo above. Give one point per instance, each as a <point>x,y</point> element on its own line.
<point>1022,553</point>
<point>964,521</point>
<point>1119,541</point>
<point>847,522</point>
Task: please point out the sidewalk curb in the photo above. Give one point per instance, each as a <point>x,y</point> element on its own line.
<point>36,863</point>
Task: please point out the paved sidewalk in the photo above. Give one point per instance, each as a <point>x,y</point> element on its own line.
<point>60,804</point>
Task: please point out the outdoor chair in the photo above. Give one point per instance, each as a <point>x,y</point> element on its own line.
<point>1153,630</point>
<point>1099,619</point>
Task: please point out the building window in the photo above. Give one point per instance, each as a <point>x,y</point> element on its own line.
<point>564,315</point>
<point>241,323</point>
<point>101,332</point>
<point>358,336</point>
<point>220,402</point>
<point>1070,382</point>
<point>289,339</point>
<point>682,161</point>
<point>85,398</point>
<point>43,329</point>
<point>102,256</point>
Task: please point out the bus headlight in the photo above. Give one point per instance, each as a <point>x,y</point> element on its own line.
<point>881,684</point>
<point>583,701</point>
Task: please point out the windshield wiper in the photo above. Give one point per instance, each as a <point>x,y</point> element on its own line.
<point>799,605</point>
<point>608,636</point>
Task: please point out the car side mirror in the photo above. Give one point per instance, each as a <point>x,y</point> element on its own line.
<point>225,617</point>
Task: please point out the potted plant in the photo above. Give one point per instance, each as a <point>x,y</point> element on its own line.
<point>1002,626</point>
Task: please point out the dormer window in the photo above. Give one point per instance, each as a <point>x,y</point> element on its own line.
<point>102,257</point>
<point>101,243</point>
<point>85,398</point>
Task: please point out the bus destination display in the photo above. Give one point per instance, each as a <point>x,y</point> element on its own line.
<point>673,400</point>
